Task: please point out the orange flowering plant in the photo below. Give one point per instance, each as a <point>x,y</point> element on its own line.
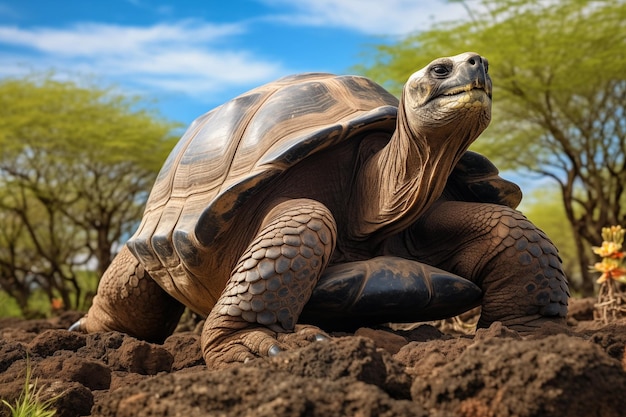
<point>611,304</point>
<point>612,255</point>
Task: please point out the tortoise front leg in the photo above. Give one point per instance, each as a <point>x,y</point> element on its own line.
<point>270,284</point>
<point>130,301</point>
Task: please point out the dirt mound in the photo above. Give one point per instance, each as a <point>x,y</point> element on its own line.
<point>571,371</point>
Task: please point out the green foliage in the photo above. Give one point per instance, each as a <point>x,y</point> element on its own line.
<point>9,306</point>
<point>76,165</point>
<point>65,120</point>
<point>29,404</point>
<point>559,73</point>
<point>37,305</point>
<point>543,56</point>
<point>557,68</point>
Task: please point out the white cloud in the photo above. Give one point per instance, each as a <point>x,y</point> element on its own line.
<point>374,17</point>
<point>178,57</point>
<point>92,39</point>
<point>194,57</point>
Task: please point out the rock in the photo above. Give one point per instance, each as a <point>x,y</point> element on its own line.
<point>253,392</point>
<point>423,333</point>
<point>71,399</point>
<point>185,349</point>
<point>389,341</point>
<point>556,376</point>
<point>420,358</point>
<point>68,398</point>
<point>353,357</point>
<point>581,309</point>
<point>140,357</point>
<point>91,373</point>
<point>495,330</point>
<point>10,352</point>
<point>611,338</point>
<point>573,371</point>
<point>51,341</point>
<point>101,345</point>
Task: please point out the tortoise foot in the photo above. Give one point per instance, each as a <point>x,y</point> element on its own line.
<point>228,340</point>
<point>130,301</point>
<point>303,335</point>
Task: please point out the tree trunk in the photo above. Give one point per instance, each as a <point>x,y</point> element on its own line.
<point>587,288</point>
<point>103,250</point>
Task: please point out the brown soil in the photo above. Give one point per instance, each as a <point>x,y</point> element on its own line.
<point>578,370</point>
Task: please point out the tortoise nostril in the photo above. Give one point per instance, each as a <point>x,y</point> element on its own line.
<point>472,61</point>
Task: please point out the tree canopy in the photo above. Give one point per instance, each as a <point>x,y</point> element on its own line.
<point>76,164</point>
<point>559,72</point>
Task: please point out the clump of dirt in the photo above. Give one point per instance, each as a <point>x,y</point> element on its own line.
<point>577,370</point>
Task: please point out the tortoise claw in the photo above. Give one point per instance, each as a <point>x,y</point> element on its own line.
<point>77,327</point>
<point>321,338</point>
<point>274,351</point>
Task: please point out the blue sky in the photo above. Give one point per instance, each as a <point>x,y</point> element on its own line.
<point>194,55</point>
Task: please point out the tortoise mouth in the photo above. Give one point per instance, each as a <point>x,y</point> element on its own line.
<point>467,97</point>
<point>465,89</point>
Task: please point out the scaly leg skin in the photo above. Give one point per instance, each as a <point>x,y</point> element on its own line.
<point>130,301</point>
<point>514,263</point>
<point>257,313</point>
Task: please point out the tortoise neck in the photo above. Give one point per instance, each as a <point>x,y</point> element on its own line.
<point>402,180</point>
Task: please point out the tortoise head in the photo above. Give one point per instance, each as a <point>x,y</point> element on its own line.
<point>448,100</point>
<point>444,108</point>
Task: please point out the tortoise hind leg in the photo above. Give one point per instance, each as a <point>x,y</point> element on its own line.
<point>509,258</point>
<point>130,301</point>
<point>270,284</point>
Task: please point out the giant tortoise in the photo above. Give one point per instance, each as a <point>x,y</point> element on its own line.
<point>321,199</point>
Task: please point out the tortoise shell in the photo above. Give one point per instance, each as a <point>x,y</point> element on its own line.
<point>230,153</point>
<point>194,219</point>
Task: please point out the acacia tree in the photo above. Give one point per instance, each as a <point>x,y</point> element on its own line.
<point>76,164</point>
<point>559,72</point>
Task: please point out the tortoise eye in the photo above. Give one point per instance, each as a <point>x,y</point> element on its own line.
<point>440,70</point>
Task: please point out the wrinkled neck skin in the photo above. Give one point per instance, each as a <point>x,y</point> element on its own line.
<point>402,180</point>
